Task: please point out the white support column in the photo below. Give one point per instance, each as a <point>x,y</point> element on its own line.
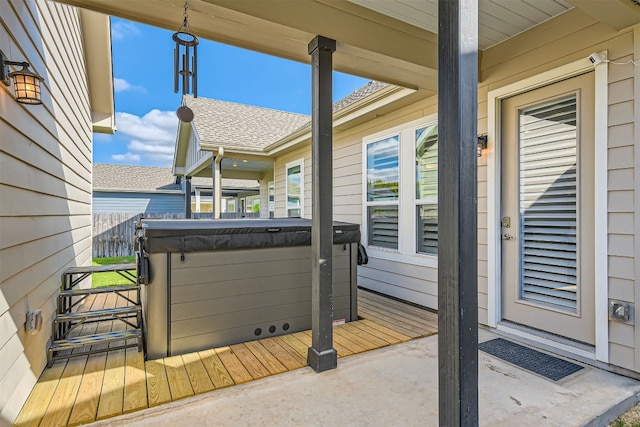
<point>217,183</point>
<point>197,200</point>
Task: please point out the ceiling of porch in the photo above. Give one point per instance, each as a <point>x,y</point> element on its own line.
<point>393,41</point>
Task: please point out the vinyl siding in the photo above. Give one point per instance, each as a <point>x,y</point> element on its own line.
<point>569,37</point>
<point>138,202</point>
<point>45,185</point>
<point>624,348</point>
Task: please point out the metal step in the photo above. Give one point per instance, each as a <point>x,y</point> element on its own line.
<point>107,314</point>
<point>87,340</point>
<point>62,349</point>
<point>92,291</point>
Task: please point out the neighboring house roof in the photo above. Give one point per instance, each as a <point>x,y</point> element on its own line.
<point>145,179</point>
<point>366,90</point>
<point>232,125</point>
<point>237,125</point>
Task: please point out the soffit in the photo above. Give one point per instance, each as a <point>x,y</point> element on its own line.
<point>498,20</point>
<point>369,44</point>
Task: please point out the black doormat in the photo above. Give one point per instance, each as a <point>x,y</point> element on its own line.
<point>527,358</point>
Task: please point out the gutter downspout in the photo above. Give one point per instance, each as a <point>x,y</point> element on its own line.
<point>217,183</point>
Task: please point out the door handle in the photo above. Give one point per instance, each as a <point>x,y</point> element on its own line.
<point>508,237</point>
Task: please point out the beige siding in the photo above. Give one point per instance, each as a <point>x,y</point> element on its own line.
<point>567,38</point>
<point>621,155</point>
<point>45,185</point>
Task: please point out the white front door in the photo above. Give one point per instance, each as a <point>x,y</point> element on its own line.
<point>547,209</point>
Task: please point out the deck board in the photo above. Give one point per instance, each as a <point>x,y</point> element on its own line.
<point>238,373</point>
<point>38,402</point>
<point>179,383</point>
<point>216,370</point>
<point>135,384</point>
<point>104,385</point>
<point>200,381</point>
<point>269,360</point>
<point>112,395</point>
<point>250,361</point>
<point>157,383</point>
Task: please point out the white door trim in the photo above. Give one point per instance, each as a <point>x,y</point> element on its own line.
<point>494,174</point>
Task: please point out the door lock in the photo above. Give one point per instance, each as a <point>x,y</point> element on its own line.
<point>507,237</point>
<point>506,222</point>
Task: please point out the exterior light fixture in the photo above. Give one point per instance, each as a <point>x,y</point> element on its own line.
<point>26,84</point>
<point>482,144</point>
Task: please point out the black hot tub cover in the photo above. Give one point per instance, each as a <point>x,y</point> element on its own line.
<point>195,235</point>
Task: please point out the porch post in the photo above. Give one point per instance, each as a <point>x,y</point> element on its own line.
<point>187,197</point>
<point>457,212</point>
<point>217,183</point>
<point>322,356</point>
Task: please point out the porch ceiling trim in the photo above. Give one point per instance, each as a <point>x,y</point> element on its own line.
<point>383,48</point>
<point>96,30</point>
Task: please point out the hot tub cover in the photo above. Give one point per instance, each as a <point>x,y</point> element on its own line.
<point>192,235</point>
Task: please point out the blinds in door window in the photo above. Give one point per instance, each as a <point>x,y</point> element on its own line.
<point>548,205</point>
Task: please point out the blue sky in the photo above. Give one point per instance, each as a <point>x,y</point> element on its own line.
<point>145,102</point>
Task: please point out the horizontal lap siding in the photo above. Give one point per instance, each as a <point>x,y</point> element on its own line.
<point>623,347</point>
<point>568,38</point>
<point>571,37</point>
<point>45,185</point>
<point>139,203</point>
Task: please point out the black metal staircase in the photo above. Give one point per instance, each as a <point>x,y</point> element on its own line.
<point>66,340</point>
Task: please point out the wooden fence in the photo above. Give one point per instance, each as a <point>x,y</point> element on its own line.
<point>114,233</point>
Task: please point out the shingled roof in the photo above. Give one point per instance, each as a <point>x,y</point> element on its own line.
<point>244,126</point>
<point>133,178</point>
<point>144,179</point>
<point>238,125</point>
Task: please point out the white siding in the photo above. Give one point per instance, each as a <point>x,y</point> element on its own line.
<point>45,184</point>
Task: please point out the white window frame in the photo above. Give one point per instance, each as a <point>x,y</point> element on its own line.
<point>407,220</point>
<point>293,164</point>
<point>384,203</point>
<point>421,202</point>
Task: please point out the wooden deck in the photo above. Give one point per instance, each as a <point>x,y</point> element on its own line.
<point>89,388</point>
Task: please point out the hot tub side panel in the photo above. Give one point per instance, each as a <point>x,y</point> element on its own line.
<point>224,297</point>
<point>155,306</point>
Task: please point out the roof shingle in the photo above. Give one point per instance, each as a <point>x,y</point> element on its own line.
<point>148,178</point>
<point>237,125</point>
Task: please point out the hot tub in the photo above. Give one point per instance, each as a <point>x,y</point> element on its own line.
<point>212,283</point>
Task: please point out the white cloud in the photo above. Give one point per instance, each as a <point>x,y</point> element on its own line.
<point>151,137</point>
<point>121,85</point>
<point>126,157</point>
<point>121,30</point>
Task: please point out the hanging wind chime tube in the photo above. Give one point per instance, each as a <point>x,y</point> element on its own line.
<point>188,66</point>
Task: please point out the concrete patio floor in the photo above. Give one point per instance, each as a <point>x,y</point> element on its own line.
<point>398,386</point>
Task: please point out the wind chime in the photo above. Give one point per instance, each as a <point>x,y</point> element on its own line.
<point>187,46</point>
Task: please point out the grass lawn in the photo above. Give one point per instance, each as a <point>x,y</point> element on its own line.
<point>100,280</point>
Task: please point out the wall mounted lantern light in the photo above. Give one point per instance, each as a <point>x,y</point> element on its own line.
<point>482,144</point>
<point>26,84</point>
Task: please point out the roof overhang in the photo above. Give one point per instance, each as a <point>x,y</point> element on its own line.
<point>96,30</point>
<point>139,191</point>
<point>617,14</point>
<point>383,48</point>
<point>375,105</point>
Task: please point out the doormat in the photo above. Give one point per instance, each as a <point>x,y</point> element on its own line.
<point>527,358</point>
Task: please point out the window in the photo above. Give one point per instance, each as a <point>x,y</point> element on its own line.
<point>295,189</point>
<point>427,189</point>
<point>400,186</point>
<point>382,192</point>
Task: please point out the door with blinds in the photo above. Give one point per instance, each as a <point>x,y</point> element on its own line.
<point>547,209</point>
